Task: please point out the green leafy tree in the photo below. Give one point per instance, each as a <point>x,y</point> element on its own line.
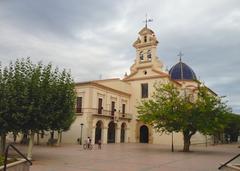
<point>174,109</point>
<point>34,97</point>
<point>3,109</point>
<point>64,100</point>
<point>7,104</point>
<point>232,130</point>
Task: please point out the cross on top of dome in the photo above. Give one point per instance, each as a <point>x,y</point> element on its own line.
<point>180,54</point>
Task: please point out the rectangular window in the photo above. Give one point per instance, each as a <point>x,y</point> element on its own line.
<point>113,108</point>
<point>144,88</point>
<point>100,106</point>
<point>79,105</point>
<point>123,108</point>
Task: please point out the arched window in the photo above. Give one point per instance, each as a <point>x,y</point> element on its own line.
<point>145,38</point>
<point>141,56</point>
<point>149,55</point>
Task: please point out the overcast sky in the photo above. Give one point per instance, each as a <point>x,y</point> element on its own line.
<point>94,37</point>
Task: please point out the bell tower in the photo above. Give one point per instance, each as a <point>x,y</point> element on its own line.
<point>146,45</point>
<point>146,51</point>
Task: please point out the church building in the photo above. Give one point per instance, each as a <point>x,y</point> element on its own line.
<point>106,109</point>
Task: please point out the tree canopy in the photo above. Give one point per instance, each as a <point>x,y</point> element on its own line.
<point>173,109</point>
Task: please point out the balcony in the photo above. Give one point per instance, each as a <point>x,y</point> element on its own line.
<point>102,113</point>
<point>110,114</point>
<point>125,116</point>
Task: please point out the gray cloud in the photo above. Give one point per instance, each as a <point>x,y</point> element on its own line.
<point>94,38</point>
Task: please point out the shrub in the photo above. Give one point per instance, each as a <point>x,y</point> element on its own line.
<point>1,160</point>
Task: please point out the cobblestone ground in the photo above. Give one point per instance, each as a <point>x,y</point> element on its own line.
<point>130,157</point>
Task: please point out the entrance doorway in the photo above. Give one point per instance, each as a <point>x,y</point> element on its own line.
<point>98,131</point>
<point>123,131</point>
<point>111,132</point>
<point>144,134</point>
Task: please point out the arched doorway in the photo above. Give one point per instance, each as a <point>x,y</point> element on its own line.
<point>123,132</point>
<point>144,134</point>
<point>111,132</point>
<point>98,131</point>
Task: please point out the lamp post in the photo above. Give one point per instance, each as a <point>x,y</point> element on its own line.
<point>206,141</point>
<point>172,143</point>
<point>80,140</point>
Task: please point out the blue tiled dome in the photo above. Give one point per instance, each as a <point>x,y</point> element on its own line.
<point>182,71</point>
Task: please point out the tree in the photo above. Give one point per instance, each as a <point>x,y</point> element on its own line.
<point>7,120</point>
<point>179,110</point>
<point>232,130</point>
<point>33,97</point>
<point>3,102</point>
<point>64,101</point>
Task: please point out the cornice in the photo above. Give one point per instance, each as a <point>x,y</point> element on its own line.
<point>92,83</point>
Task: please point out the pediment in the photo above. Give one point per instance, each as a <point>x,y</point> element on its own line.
<point>146,73</point>
<point>145,30</point>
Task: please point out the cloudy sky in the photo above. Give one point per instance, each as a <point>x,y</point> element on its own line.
<point>93,38</point>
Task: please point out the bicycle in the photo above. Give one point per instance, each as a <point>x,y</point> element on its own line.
<point>87,146</point>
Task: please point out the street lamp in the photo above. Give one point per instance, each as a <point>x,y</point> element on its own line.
<point>80,140</point>
<point>206,140</point>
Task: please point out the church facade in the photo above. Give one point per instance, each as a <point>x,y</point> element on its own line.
<point>106,109</point>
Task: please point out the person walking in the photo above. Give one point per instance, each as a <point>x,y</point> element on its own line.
<point>99,144</point>
<point>88,142</point>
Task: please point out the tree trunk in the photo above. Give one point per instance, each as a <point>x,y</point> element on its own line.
<point>24,139</point>
<point>2,143</point>
<point>15,137</point>
<point>59,138</point>
<point>187,143</point>
<point>30,146</point>
<point>187,134</point>
<point>52,135</point>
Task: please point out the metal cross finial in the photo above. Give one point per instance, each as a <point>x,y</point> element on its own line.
<point>180,56</point>
<point>147,20</point>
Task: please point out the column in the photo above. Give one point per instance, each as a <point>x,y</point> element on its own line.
<point>104,136</point>
<point>127,135</point>
<point>118,134</point>
<point>93,135</point>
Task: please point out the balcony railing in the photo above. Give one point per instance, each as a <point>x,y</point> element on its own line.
<point>102,112</point>
<point>106,113</point>
<point>125,116</point>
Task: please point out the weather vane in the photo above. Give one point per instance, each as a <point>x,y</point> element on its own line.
<point>180,54</point>
<point>146,21</point>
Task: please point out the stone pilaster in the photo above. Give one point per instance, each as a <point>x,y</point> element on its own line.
<point>105,134</point>
<point>93,135</point>
<point>118,134</point>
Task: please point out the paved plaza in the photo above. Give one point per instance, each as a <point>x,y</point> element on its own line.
<point>130,157</point>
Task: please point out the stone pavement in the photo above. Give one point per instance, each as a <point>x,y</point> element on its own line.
<point>130,157</point>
